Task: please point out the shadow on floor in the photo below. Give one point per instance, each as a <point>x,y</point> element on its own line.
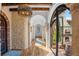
<point>12,53</point>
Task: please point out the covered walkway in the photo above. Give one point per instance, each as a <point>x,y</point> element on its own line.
<point>39,29</point>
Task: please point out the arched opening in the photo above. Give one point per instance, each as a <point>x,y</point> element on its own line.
<point>57,29</point>
<point>37,27</point>
<point>38,30</point>
<point>4,33</point>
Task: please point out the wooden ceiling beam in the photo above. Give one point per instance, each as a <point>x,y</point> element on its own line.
<point>33,9</point>
<point>43,9</point>
<point>14,4</point>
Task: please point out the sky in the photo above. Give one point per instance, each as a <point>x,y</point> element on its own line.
<point>68,15</point>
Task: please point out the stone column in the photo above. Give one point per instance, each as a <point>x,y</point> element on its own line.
<point>26,31</point>
<point>46,39</point>
<point>0,43</point>
<point>46,35</point>
<point>33,32</point>
<point>42,33</point>
<point>0,6</point>
<point>75,29</point>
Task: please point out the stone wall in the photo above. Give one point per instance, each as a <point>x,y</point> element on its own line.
<point>19,31</point>
<point>7,15</point>
<point>75,29</point>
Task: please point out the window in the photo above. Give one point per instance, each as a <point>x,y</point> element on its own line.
<point>67,31</point>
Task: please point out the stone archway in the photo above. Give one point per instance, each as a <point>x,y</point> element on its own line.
<point>38,22</point>
<point>55,16</point>
<point>74,8</point>
<point>5,46</point>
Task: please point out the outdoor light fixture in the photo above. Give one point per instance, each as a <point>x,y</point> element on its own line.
<point>24,10</point>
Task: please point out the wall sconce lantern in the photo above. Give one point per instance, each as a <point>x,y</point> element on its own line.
<point>24,10</point>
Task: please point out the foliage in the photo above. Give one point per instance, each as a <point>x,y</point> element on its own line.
<point>54,37</point>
